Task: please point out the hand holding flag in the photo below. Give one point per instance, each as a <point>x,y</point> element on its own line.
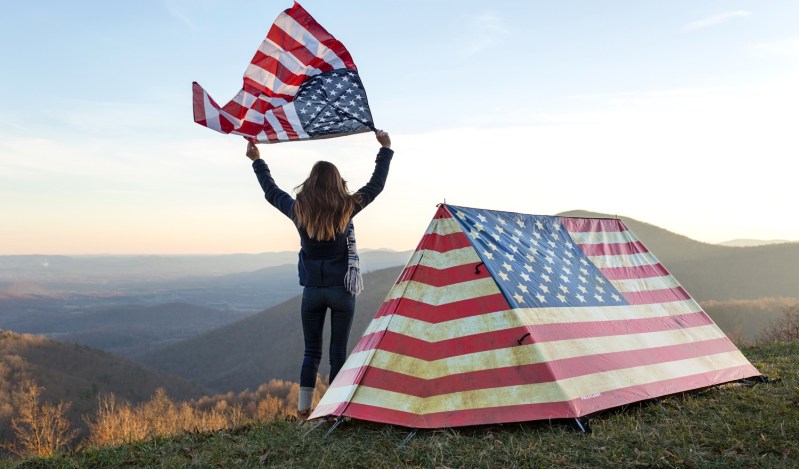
<point>301,84</point>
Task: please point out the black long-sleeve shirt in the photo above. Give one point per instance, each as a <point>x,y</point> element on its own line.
<point>323,263</point>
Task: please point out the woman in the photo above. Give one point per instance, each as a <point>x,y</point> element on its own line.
<point>322,213</point>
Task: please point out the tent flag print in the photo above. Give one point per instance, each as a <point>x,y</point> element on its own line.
<point>506,317</point>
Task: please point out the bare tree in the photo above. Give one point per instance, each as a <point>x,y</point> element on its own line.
<point>785,329</point>
<point>40,429</point>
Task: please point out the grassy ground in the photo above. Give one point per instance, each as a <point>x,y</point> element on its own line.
<point>728,426</point>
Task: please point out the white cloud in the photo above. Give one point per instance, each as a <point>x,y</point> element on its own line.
<point>484,32</point>
<point>716,20</point>
<point>782,47</point>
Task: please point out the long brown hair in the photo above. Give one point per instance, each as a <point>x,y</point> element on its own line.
<point>324,204</point>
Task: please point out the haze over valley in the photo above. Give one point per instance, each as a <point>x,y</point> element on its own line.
<point>170,310</point>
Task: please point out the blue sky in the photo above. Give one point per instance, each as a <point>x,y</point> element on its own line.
<point>680,114</point>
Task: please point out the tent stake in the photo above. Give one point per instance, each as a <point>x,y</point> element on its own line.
<point>583,429</point>
<point>661,405</point>
<point>407,438</point>
<point>336,424</point>
<point>314,427</point>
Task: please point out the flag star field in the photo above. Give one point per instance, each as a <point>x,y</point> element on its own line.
<point>535,260</point>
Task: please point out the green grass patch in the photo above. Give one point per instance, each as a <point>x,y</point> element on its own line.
<point>725,426</point>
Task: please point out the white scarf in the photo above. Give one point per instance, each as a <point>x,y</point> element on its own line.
<point>353,281</point>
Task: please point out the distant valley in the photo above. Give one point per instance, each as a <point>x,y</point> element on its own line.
<point>131,305</point>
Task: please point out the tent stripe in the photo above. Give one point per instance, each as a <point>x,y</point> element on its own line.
<point>624,260</point>
<point>443,277</point>
<point>445,260</point>
<point>524,412</point>
<point>534,353</point>
<point>534,373</point>
<point>435,314</point>
<point>480,328</point>
<point>562,390</point>
<point>646,283</point>
<point>656,296</point>
<point>633,272</point>
<point>496,304</point>
<point>632,247</point>
<point>449,293</point>
<point>480,341</point>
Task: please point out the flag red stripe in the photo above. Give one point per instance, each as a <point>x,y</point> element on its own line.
<point>280,114</point>
<point>442,212</point>
<point>225,124</point>
<point>656,296</point>
<point>613,249</point>
<point>528,374</point>
<point>585,225</point>
<point>501,339</point>
<point>297,49</point>
<point>633,272</point>
<point>198,103</point>
<point>273,66</point>
<point>444,243</point>
<point>235,109</point>
<point>303,18</point>
<point>443,277</point>
<point>255,88</point>
<point>550,410</point>
<point>446,312</point>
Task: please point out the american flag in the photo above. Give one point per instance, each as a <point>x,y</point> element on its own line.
<point>505,317</point>
<point>301,84</point>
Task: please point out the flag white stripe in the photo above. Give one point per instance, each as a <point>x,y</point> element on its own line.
<point>444,227</point>
<point>289,61</point>
<point>645,284</point>
<point>624,260</point>
<point>444,260</point>
<point>275,124</point>
<point>291,114</point>
<point>515,355</point>
<point>506,319</point>
<point>558,391</point>
<point>599,237</point>
<point>270,81</point>
<point>211,113</point>
<point>303,36</point>
<point>448,294</point>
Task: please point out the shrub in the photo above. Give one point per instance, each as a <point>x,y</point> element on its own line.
<point>40,429</point>
<point>785,329</point>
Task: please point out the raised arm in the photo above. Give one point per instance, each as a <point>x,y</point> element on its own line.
<point>380,173</point>
<point>273,194</point>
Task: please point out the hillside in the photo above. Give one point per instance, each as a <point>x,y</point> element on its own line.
<point>721,273</point>
<point>76,373</point>
<point>726,426</point>
<point>264,346</point>
<point>128,330</point>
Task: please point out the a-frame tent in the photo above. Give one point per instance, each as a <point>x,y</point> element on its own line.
<point>506,317</point>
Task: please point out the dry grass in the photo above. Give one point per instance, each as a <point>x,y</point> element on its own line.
<point>725,426</point>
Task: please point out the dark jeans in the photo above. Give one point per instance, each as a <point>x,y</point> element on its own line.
<point>315,302</point>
